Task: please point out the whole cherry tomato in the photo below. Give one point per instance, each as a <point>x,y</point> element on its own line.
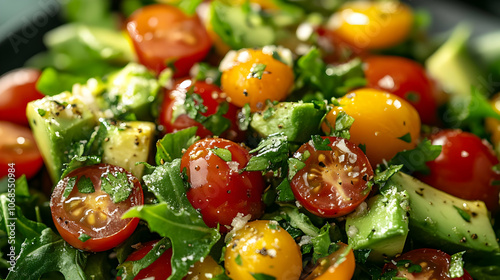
<point>17,88</point>
<point>213,97</point>
<point>464,168</point>
<point>334,181</point>
<point>86,216</point>
<point>163,35</point>
<point>217,187</point>
<point>404,78</point>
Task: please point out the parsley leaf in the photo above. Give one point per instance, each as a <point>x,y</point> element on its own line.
<point>406,138</point>
<point>80,161</point>
<point>272,154</point>
<point>321,144</point>
<point>244,117</point>
<point>129,269</point>
<point>257,71</point>
<point>84,237</point>
<point>117,186</point>
<point>224,154</point>
<point>343,123</point>
<point>69,186</point>
<point>457,265</point>
<point>285,191</point>
<point>85,185</point>
<point>262,276</point>
<point>414,160</point>
<point>171,145</point>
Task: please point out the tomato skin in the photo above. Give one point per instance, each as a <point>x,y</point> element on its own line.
<point>18,146</point>
<point>333,183</point>
<point>160,269</point>
<point>404,78</point>
<point>241,88</point>
<point>464,167</point>
<point>381,122</point>
<point>212,96</point>
<point>371,25</point>
<point>435,265</point>
<point>162,34</point>
<point>262,247</point>
<point>105,233</point>
<point>329,267</point>
<point>218,189</point>
<point>17,88</point>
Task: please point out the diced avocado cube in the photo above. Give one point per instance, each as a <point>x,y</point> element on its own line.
<point>297,120</point>
<point>60,124</point>
<point>443,221</point>
<point>383,227</point>
<point>128,143</point>
<point>130,90</point>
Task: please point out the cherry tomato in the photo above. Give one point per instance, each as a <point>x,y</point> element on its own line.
<point>205,269</point>
<point>18,147</point>
<point>339,265</point>
<point>493,125</point>
<point>404,78</point>
<point>262,247</point>
<point>212,97</point>
<point>385,123</point>
<point>333,182</point>
<point>163,34</point>
<point>17,88</point>
<point>435,264</point>
<point>464,168</point>
<point>160,269</point>
<point>372,25</point>
<point>253,76</point>
<point>218,188</point>
<point>94,216</point>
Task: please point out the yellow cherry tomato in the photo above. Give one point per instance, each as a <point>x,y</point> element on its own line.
<point>262,247</point>
<point>339,265</point>
<point>383,122</point>
<point>372,25</point>
<point>254,75</point>
<point>206,269</point>
<point>493,125</point>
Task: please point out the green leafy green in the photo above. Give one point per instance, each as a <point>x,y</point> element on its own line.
<point>321,243</point>
<point>406,138</point>
<point>224,154</point>
<point>257,71</point>
<point>272,154</point>
<point>84,237</point>
<point>321,144</point>
<point>285,191</point>
<point>456,265</point>
<point>80,161</point>
<point>414,160</point>
<point>262,276</point>
<point>171,145</point>
<point>85,185</point>
<point>117,186</point>
<point>466,216</point>
<point>52,82</point>
<point>69,186</point>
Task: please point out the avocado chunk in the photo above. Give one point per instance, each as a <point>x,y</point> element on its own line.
<point>443,221</point>
<point>128,143</point>
<point>382,227</point>
<point>60,125</point>
<point>296,120</point>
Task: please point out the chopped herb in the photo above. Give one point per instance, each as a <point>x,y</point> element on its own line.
<point>321,144</point>
<point>269,112</point>
<point>342,125</point>
<point>362,147</point>
<point>294,165</point>
<point>273,225</point>
<point>224,154</point>
<point>257,71</point>
<point>85,185</point>
<point>466,216</point>
<point>383,176</point>
<point>117,186</point>
<point>244,117</point>
<point>361,255</point>
<point>285,191</point>
<point>456,265</point>
<point>406,138</point>
<point>496,168</point>
<point>415,268</point>
<point>412,96</point>
<point>415,159</point>
<point>262,276</point>
<point>238,260</point>
<point>41,112</point>
<point>84,237</point>
<point>69,186</point>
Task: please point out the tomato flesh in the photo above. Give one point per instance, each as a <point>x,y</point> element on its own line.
<point>334,182</point>
<point>163,34</point>
<point>217,188</point>
<point>94,214</point>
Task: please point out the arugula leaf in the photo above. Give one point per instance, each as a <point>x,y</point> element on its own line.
<point>84,185</point>
<point>52,82</point>
<point>414,160</point>
<point>273,153</point>
<point>79,161</point>
<point>117,186</point>
<point>129,269</point>
<point>94,145</point>
<point>321,243</point>
<point>171,145</point>
<point>174,217</point>
<point>285,191</point>
<point>456,265</point>
<point>294,165</point>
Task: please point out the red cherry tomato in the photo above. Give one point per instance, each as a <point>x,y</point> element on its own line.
<point>464,168</point>
<point>163,34</point>
<point>160,269</point>
<point>333,182</point>
<point>404,78</point>
<point>212,97</point>
<point>94,214</point>
<point>435,264</point>
<point>17,88</point>
<point>18,147</point>
<point>218,189</point>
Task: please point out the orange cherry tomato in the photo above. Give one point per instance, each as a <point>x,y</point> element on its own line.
<point>163,34</point>
<point>383,122</point>
<point>339,265</point>
<point>372,25</point>
<point>253,76</point>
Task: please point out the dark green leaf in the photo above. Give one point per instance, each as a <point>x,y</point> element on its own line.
<point>406,138</point>
<point>206,72</point>
<point>95,145</point>
<point>466,216</point>
<point>321,144</point>
<point>84,237</point>
<point>22,188</point>
<point>85,185</point>
<point>224,154</point>
<point>343,124</point>
<point>262,276</point>
<point>382,176</point>
<point>257,71</point>
<point>69,186</point>
<point>238,260</point>
<point>272,154</point>
<point>361,255</point>
<point>41,112</point>
<point>415,159</point>
<point>80,161</point>
<point>285,191</point>
<point>171,145</point>
<point>415,268</point>
<point>117,186</point>
<point>457,265</point>
<point>321,243</point>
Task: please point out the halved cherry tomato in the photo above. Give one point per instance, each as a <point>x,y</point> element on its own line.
<point>94,217</point>
<point>372,25</point>
<point>160,269</point>
<point>17,88</point>
<point>163,34</point>
<point>434,264</point>
<point>333,182</point>
<point>253,76</point>
<point>385,123</point>
<point>404,78</point>
<point>18,147</point>
<point>262,247</point>
<point>464,168</point>
<point>339,265</point>
<point>218,188</point>
<point>212,97</point>
<point>204,269</point>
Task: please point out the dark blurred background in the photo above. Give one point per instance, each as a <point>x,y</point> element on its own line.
<point>24,22</point>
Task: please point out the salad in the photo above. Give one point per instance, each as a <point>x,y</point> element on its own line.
<point>189,139</point>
